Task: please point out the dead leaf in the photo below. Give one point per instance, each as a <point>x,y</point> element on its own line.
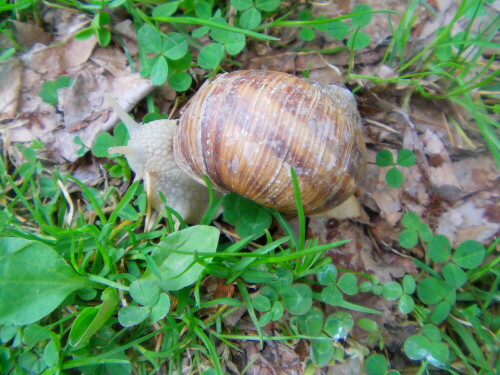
<point>77,52</point>
<point>470,220</point>
<point>10,87</point>
<point>27,34</point>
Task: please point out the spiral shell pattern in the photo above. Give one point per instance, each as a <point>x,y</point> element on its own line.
<point>245,130</point>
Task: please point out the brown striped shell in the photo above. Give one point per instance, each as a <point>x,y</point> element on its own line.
<point>244,130</point>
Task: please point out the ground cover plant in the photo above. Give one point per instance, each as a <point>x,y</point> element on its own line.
<point>91,282</point>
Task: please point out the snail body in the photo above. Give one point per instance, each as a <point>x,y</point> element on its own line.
<point>245,130</point>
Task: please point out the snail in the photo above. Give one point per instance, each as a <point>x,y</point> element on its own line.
<point>244,131</point>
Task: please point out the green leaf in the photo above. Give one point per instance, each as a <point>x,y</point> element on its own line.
<point>81,324</point>
<point>92,319</point>
<point>348,283</point>
<point>432,332</point>
<point>165,10</point>
<point>241,4</point>
<point>361,20</point>
<point>159,71</point>
<point>48,92</point>
<point>144,292</point>
<point>180,81</point>
<point>384,158</point>
<point>339,30</point>
<point>122,366</point>
<point>180,270</point>
<point>84,34</point>
<point>278,310</point>
<point>443,53</point>
<point>406,304</point>
<point>249,218</point>
<point>454,275</point>
<point>339,325</point>
<point>27,361</point>
<point>101,19</point>
<point>128,212</point>
<point>409,284</point>
<point>7,333</point>
<point>5,360</point>
<point>270,293</point>
<point>282,281</point>
<point>441,312</point>
<point>392,291</point>
<point>250,18</point>
<point>411,220</point>
<point>469,254</point>
<point>365,287</point>
<point>51,354</point>
<point>150,39</point>
<point>318,26</point>
<point>439,248</point>
<point>368,325</point>
<point>305,15</point>
<point>406,158</point>
<point>261,303</point>
<point>307,34</point>
<point>48,187</point>
<point>102,143</point>
<point>416,347</point>
<point>408,238</point>
<point>121,135</point>
<point>311,323</point>
<point>182,64</point>
<point>297,299</point>
<point>34,333</point>
<point>103,36</point>
<point>394,177</point>
<point>424,232</point>
<point>129,316</point>
<point>327,275</point>
<point>332,295</point>
<point>419,347</point>
<point>322,352</point>
<point>210,56</point>
<point>267,5</point>
<point>161,308</point>
<point>432,290</point>
<point>438,354</point>
<point>265,318</point>
<point>376,364</point>
<point>200,31</point>
<point>174,46</point>
<point>235,42</point>
<point>216,33</point>
<point>29,154</point>
<point>203,9</point>
<point>26,170</point>
<point>358,40</point>
<point>35,280</point>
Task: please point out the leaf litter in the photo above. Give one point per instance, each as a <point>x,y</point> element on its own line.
<point>454,186</point>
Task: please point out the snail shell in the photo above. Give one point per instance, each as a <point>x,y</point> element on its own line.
<point>245,130</point>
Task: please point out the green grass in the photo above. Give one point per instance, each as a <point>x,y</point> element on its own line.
<point>95,293</point>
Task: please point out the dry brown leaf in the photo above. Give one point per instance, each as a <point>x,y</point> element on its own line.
<point>10,87</point>
<point>473,219</point>
<point>27,34</point>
